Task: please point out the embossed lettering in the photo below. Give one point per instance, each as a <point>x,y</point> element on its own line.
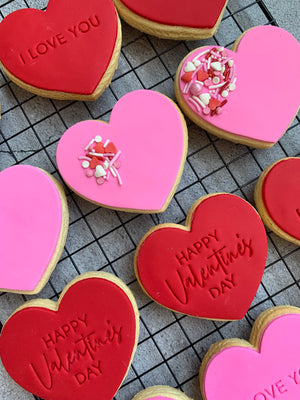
<point>294,377</point>
<point>87,346</point>
<point>191,276</point>
<point>272,392</point>
<point>298,212</point>
<point>47,45</point>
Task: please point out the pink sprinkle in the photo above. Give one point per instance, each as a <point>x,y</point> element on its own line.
<point>207,82</point>
<point>196,89</point>
<point>118,176</point>
<point>100,180</point>
<point>84,158</point>
<point>117,164</point>
<point>89,173</point>
<point>219,110</point>
<point>206,111</point>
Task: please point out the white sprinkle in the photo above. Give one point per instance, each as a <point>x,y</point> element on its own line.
<point>216,86</point>
<point>189,67</point>
<point>216,66</point>
<point>113,172</point>
<point>205,97</point>
<point>106,143</point>
<point>98,139</point>
<point>199,101</point>
<point>232,87</point>
<point>99,171</point>
<point>197,63</point>
<point>91,142</point>
<point>200,55</point>
<point>220,48</point>
<point>224,93</point>
<point>216,80</point>
<point>85,164</point>
<point>230,63</point>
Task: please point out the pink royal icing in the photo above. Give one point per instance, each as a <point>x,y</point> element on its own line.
<point>273,372</point>
<point>266,63</point>
<point>148,130</point>
<point>30,219</point>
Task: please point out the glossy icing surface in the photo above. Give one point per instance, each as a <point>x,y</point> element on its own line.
<point>194,13</point>
<point>66,48</point>
<point>212,270</point>
<point>237,373</point>
<point>147,128</point>
<point>30,219</point>
<point>281,195</point>
<point>80,352</point>
<point>253,109</point>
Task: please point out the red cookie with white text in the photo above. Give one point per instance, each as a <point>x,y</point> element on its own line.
<point>277,197</point>
<point>173,19</point>
<point>211,267</point>
<point>79,348</point>
<point>69,51</point>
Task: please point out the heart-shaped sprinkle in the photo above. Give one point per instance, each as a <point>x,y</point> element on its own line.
<point>189,67</point>
<point>202,76</point>
<point>205,97</point>
<point>187,77</point>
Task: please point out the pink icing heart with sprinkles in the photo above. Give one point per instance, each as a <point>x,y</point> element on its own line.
<point>249,82</point>
<point>144,145</point>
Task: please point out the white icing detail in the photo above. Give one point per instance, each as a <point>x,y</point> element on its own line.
<point>98,139</point>
<point>232,87</point>
<point>189,67</point>
<point>106,143</point>
<point>200,55</point>
<point>197,63</point>
<point>230,63</point>
<point>216,79</point>
<point>216,65</point>
<point>224,93</point>
<point>85,164</point>
<point>199,101</point>
<point>205,97</point>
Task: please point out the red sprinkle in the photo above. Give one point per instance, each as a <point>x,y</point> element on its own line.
<point>202,76</point>
<point>187,77</point>
<point>213,104</point>
<point>99,148</point>
<point>94,162</point>
<point>110,148</point>
<point>223,103</point>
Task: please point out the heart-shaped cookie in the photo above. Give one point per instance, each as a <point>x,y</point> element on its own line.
<point>69,51</point>
<point>171,19</point>
<point>160,392</point>
<point>250,84</point>
<point>212,267</point>
<point>141,171</point>
<point>79,348</point>
<point>267,368</point>
<point>34,224</point>
<point>277,196</point>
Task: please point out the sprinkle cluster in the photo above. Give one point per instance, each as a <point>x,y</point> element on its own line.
<point>101,160</point>
<point>208,79</point>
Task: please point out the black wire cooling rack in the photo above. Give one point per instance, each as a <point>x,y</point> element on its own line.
<point>171,346</point>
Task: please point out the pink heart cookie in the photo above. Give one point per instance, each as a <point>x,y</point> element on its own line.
<point>267,368</point>
<point>143,170</point>
<point>34,225</point>
<point>244,96</point>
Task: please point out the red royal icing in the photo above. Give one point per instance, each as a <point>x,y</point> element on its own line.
<point>80,352</point>
<point>281,195</point>
<point>211,271</point>
<point>201,14</point>
<point>67,48</point>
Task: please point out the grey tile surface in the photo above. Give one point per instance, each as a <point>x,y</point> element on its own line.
<point>171,346</point>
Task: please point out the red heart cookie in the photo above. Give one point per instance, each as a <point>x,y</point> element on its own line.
<point>277,196</point>
<point>173,19</point>
<point>212,267</point>
<point>69,51</point>
<point>248,81</point>
<point>79,348</point>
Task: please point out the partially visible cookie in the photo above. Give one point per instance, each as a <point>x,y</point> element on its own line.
<point>69,51</point>
<point>34,224</point>
<point>265,368</point>
<point>277,197</point>
<point>160,392</point>
<point>226,92</point>
<point>173,19</point>
<point>78,348</point>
